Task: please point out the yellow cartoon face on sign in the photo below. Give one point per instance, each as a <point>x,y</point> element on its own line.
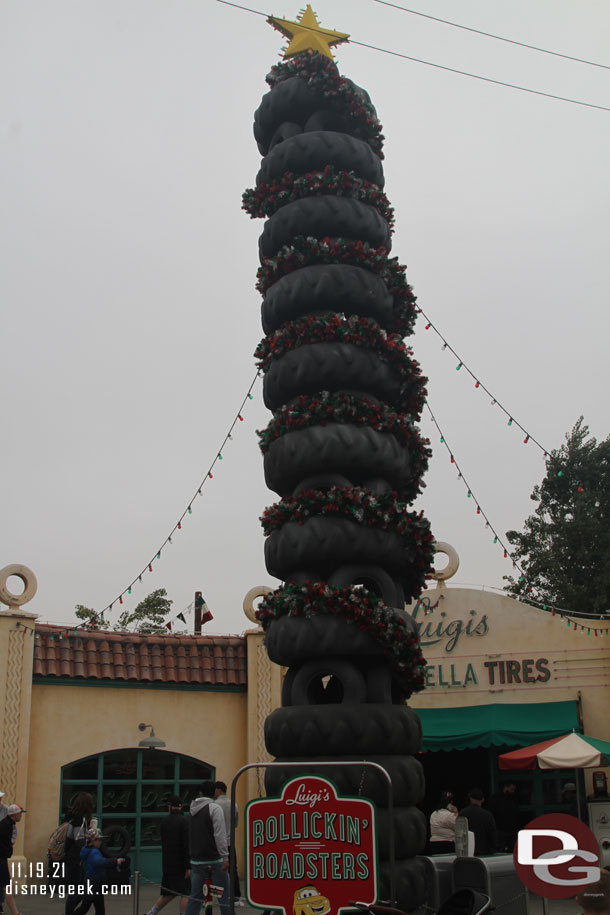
<point>307,901</point>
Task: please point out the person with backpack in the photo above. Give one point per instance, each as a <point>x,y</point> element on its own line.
<point>78,820</point>
<point>8,826</point>
<point>96,866</point>
<point>209,850</point>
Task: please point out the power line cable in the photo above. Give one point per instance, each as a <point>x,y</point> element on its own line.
<point>466,28</point>
<point>428,63</point>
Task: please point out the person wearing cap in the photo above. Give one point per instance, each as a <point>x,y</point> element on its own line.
<point>96,866</point>
<point>224,802</point>
<point>481,823</point>
<point>175,858</point>
<point>7,825</point>
<point>208,849</point>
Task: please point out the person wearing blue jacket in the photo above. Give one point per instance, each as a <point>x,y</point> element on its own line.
<point>96,867</point>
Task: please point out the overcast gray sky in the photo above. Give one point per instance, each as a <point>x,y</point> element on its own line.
<point>129,313</point>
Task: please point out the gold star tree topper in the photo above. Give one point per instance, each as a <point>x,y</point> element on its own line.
<point>307,34</point>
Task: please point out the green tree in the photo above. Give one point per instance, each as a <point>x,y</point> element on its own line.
<point>564,549</point>
<point>85,613</point>
<point>149,615</point>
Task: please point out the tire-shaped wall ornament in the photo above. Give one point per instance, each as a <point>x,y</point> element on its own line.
<point>330,367</point>
<point>116,842</point>
<point>327,216</point>
<point>324,681</point>
<point>291,100</point>
<point>353,451</point>
<point>291,640</point>
<point>343,729</point>
<point>343,288</point>
<point>406,772</point>
<point>314,150</point>
<point>324,543</point>
<point>284,132</point>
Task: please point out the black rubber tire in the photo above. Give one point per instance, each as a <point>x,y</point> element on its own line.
<point>383,686</point>
<point>410,877</point>
<point>406,772</point>
<point>327,287</point>
<point>347,685</point>
<point>111,849</point>
<point>290,100</point>
<point>410,832</point>
<point>327,216</point>
<point>324,543</point>
<point>291,640</point>
<point>352,451</point>
<point>312,151</point>
<point>330,367</point>
<point>326,119</point>
<point>371,576</point>
<point>284,132</point>
<point>322,482</point>
<point>377,485</point>
<point>342,729</point>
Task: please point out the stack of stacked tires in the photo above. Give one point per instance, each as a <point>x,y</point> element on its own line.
<point>344,454</point>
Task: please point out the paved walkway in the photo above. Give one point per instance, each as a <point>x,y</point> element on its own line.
<point>126,905</point>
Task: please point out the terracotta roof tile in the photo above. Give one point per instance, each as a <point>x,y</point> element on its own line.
<point>149,659</point>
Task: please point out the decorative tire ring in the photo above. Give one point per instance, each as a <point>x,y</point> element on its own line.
<point>382,685</point>
<point>410,832</point>
<point>322,482</point>
<point>325,542</point>
<point>291,100</point>
<point>331,366</point>
<point>292,640</point>
<point>27,577</point>
<point>353,451</point>
<point>343,729</point>
<point>304,685</point>
<point>343,288</point>
<point>314,150</point>
<point>406,772</point>
<point>327,216</point>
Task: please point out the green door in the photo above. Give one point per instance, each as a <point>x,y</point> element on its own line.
<point>131,788</point>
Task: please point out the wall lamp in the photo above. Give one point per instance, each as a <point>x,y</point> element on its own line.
<point>151,742</point>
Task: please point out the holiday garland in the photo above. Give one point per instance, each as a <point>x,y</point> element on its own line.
<point>358,607</point>
<point>321,73</point>
<point>303,252</point>
<point>266,199</point>
<point>385,512</point>
<point>330,327</point>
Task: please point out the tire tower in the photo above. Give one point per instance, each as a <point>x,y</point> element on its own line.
<point>342,449</point>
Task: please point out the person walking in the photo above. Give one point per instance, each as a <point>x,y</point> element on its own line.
<point>8,835</point>
<point>481,823</point>
<point>505,810</point>
<point>208,849</point>
<point>176,867</point>
<point>442,825</point>
<point>96,866</point>
<point>220,797</point>
<point>80,819</point>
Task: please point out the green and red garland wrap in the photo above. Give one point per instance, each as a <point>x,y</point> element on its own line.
<point>304,251</point>
<point>321,73</point>
<point>267,199</point>
<point>385,512</point>
<point>330,327</point>
<point>358,607</point>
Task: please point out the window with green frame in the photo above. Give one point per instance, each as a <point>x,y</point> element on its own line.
<point>131,788</point>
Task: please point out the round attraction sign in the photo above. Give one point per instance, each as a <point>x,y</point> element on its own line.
<point>556,856</point>
<point>310,852</point>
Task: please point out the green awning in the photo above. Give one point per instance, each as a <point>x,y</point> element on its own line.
<point>496,725</point>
